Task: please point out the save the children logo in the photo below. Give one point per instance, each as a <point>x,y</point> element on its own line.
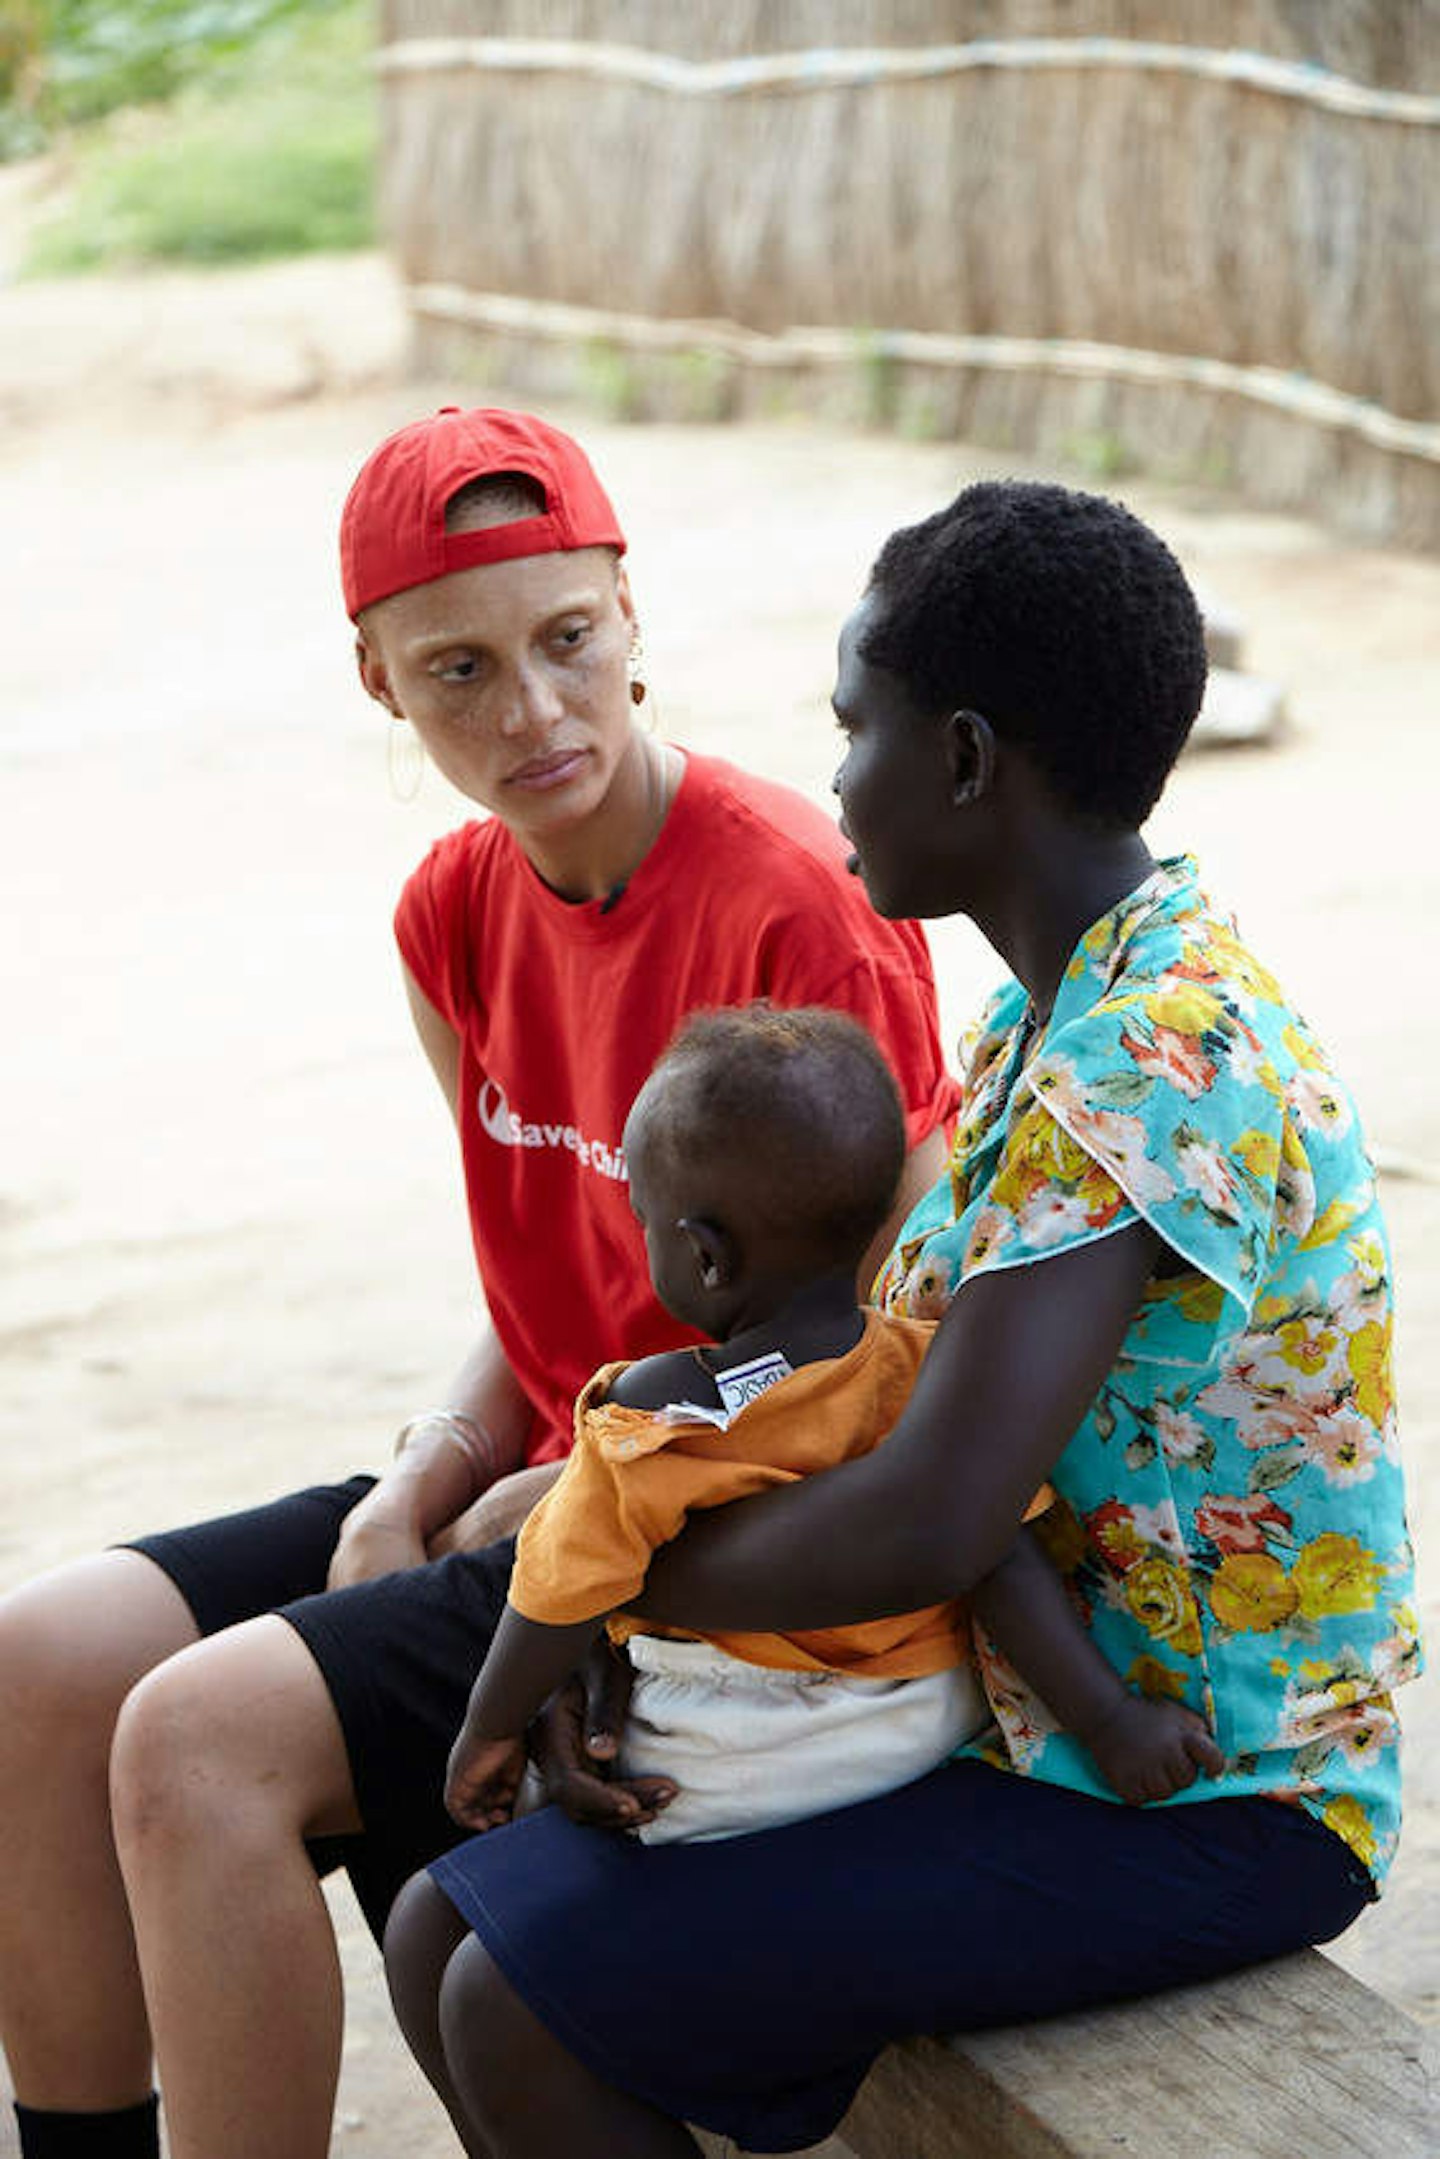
<point>510,1130</point>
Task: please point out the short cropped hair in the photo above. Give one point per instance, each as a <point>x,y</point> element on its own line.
<point>799,1115</point>
<point>496,498</point>
<point>1062,619</point>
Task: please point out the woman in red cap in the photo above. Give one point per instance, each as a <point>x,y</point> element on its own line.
<point>276,1692</point>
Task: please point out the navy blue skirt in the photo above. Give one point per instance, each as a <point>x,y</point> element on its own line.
<point>747,1985</point>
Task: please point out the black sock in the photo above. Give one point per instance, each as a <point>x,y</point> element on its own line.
<point>123,2133</point>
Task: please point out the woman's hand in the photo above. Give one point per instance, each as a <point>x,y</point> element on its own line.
<point>372,1542</point>
<point>430,1481</point>
<point>576,1740</point>
<point>498,1512</point>
<point>1149,1750</point>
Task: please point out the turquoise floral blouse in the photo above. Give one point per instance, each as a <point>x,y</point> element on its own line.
<point>1230,1512</point>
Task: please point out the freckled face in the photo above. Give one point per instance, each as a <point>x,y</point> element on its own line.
<point>513,675</point>
<point>895,784</point>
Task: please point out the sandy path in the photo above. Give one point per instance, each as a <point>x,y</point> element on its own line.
<point>235,1255</point>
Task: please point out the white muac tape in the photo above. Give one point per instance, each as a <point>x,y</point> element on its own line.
<point>738,1386</point>
<point>740,1383</point>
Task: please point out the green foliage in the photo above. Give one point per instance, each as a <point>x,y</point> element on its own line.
<point>1099,454</point>
<point>611,380</point>
<point>270,153</point>
<point>878,380</point>
<point>700,385</point>
<point>21,39</point>
<point>90,56</point>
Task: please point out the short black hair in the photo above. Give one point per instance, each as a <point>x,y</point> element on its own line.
<point>799,1115</point>
<point>1062,619</point>
<point>496,498</point>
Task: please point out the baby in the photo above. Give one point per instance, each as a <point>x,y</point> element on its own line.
<point>763,1154</point>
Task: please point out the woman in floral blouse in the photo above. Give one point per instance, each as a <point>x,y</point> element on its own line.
<point>1166,1289</point>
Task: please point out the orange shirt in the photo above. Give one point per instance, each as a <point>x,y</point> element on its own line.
<point>634,1475</point>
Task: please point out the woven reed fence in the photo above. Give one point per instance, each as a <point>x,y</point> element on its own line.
<point>1203,239</point>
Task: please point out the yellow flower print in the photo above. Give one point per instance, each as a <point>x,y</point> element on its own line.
<point>1251,1593</point>
<point>1305,1052</point>
<point>1185,1008</point>
<point>1340,1692</point>
<point>1369,1359</point>
<point>1159,1595</point>
<point>1155,1680</point>
<point>1331,1224</point>
<point>1260,1152</point>
<point>1267,1077</point>
<point>965,1138</point>
<point>1292,1147</point>
<point>1336,1574</point>
<point>1196,1297</point>
<point>1061,1532</point>
<point>1351,1823</point>
<point>1098,1194</point>
<point>1368,1252</point>
<point>1121,1542</point>
<point>1039,1153</point>
<point>1306,1344</point>
<point>1230,959</point>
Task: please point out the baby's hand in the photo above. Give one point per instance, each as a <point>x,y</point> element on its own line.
<point>1150,1749</point>
<point>482,1781</point>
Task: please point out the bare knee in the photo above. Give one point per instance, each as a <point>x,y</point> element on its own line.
<point>235,1739</point>
<point>421,1935</point>
<point>161,1763</point>
<point>72,1645</point>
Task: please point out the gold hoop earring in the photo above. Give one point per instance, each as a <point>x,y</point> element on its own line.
<point>404,760</point>
<point>635,669</point>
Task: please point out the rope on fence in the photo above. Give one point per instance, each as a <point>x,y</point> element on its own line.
<point>1295,394</point>
<point>837,67</point>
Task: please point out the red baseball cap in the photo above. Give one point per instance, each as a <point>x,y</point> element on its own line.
<point>392,529</point>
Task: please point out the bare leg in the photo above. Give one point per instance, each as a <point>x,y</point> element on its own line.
<point>224,1762</point>
<point>71,1647</point>
<point>529,2098</point>
<point>423,1932</point>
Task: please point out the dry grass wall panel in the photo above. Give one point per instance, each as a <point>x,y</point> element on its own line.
<point>1145,208</point>
<point>1391,43</point>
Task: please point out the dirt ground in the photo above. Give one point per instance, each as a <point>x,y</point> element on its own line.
<point>235,1252</point>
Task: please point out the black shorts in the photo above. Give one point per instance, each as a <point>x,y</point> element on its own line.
<point>398,1655</point>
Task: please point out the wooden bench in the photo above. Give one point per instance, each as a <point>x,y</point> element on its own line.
<point>1290,2060</point>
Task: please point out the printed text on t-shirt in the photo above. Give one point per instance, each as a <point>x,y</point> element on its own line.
<point>511,1130</point>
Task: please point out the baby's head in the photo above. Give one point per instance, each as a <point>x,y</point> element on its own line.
<point>764,1151</point>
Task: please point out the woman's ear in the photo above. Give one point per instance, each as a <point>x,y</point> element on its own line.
<point>375,675</point>
<point>714,1251</point>
<point>970,742</point>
